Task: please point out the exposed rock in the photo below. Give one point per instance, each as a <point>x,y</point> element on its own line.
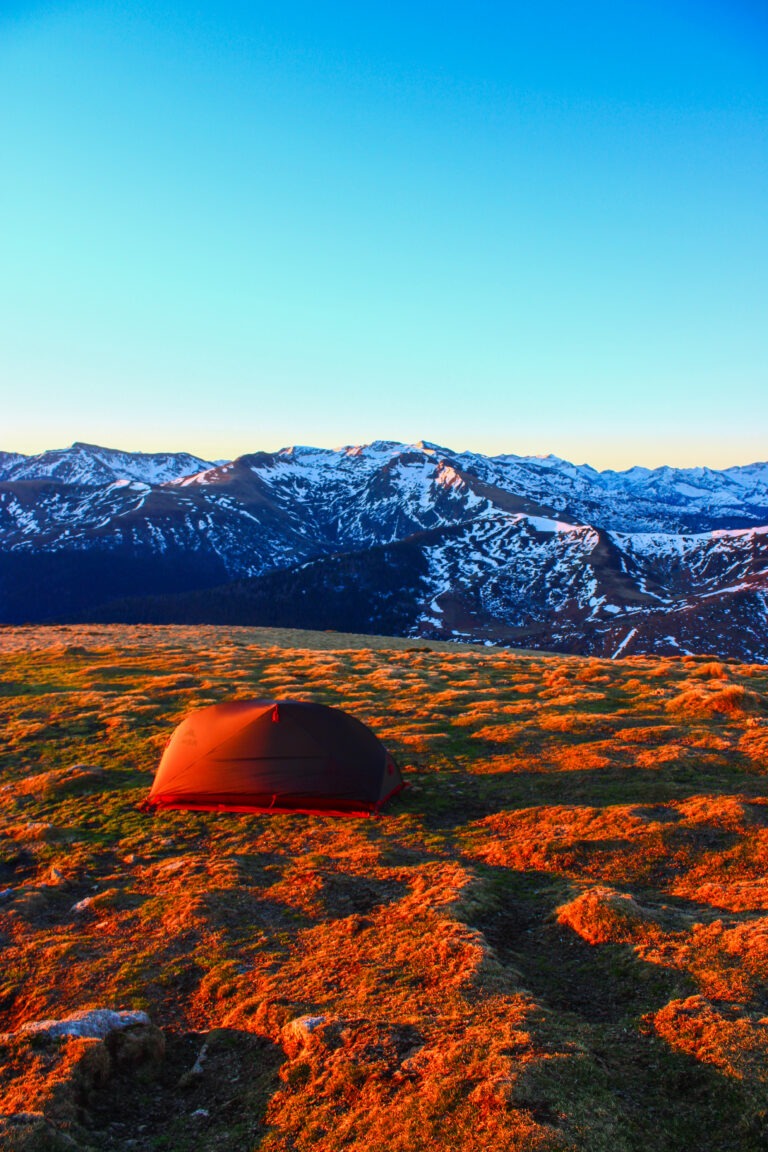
<point>82,905</point>
<point>95,1024</point>
<point>297,1033</point>
<point>60,1069</point>
<point>197,1068</point>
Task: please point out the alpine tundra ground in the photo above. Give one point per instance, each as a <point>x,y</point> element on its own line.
<point>557,938</point>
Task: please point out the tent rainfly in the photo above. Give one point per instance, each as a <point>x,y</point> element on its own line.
<point>275,756</point>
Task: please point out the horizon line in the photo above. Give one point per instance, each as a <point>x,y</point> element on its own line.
<point>421,444</point>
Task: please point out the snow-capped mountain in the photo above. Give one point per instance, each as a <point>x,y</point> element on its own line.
<point>414,538</point>
<point>92,466</point>
<point>637,500</point>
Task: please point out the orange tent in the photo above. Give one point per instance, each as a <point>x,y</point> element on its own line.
<point>275,756</point>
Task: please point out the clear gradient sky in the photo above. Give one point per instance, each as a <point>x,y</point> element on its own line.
<point>526,227</point>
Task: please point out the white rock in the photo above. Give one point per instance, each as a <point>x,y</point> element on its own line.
<point>94,1024</point>
<point>306,1024</point>
<point>296,1033</point>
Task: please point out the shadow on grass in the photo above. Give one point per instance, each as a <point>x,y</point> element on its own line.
<point>222,1105</point>
<point>601,994</point>
<point>452,799</point>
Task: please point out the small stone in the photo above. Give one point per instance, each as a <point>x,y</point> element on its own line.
<point>297,1033</point>
<point>197,1068</point>
<point>200,1114</point>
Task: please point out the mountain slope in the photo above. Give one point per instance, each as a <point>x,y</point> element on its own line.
<point>508,549</point>
<point>507,580</point>
<point>92,466</point>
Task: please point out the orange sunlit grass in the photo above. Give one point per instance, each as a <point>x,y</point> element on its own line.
<point>554,939</point>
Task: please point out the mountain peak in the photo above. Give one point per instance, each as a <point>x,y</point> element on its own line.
<point>510,549</point>
<point>91,465</point>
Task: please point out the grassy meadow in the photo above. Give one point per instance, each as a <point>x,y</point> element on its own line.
<point>556,938</point>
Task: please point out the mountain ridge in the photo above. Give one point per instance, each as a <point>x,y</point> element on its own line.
<point>511,550</point>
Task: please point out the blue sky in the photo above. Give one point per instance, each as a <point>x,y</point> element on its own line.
<point>508,227</point>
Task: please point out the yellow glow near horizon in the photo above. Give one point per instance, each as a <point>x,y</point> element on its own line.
<point>601,453</point>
